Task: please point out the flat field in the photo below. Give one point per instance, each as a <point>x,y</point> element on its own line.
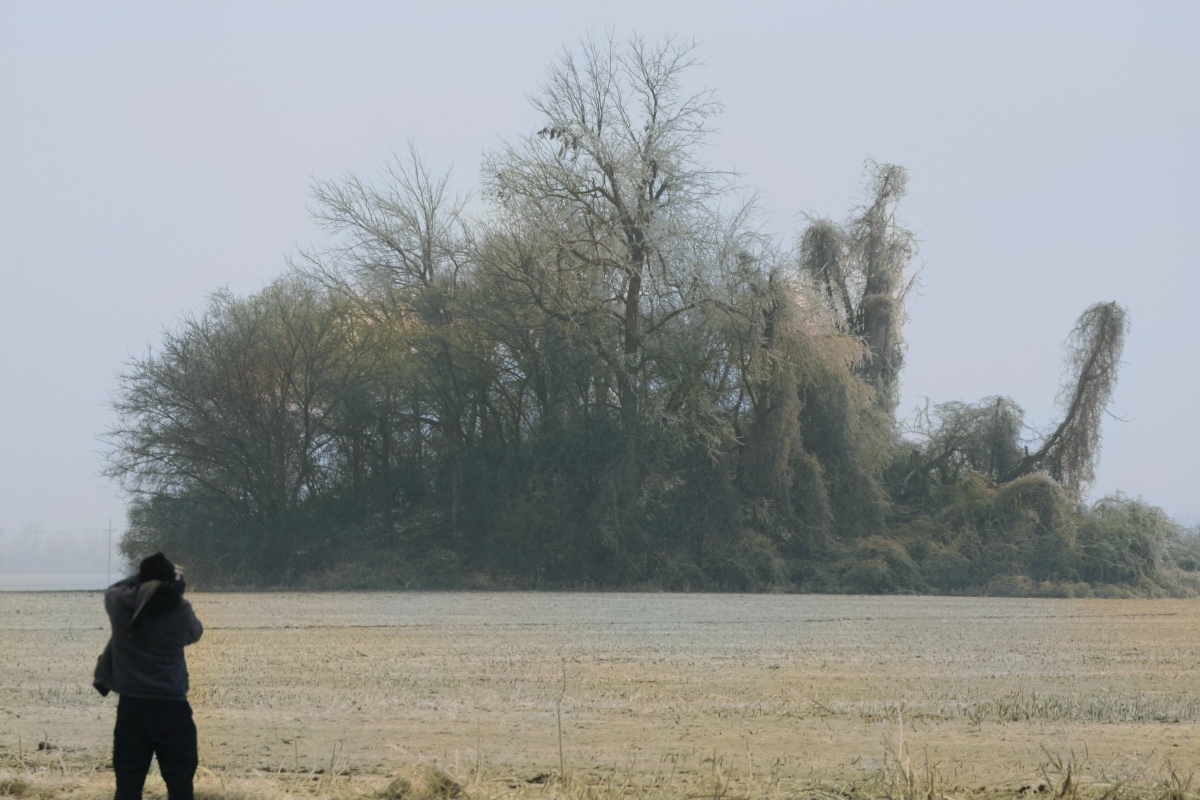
<point>687,693</point>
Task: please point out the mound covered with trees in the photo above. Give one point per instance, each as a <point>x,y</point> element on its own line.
<point>608,377</point>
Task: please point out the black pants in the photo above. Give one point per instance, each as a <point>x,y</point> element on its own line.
<point>161,728</point>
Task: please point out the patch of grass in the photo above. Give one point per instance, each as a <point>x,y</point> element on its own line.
<point>429,783</point>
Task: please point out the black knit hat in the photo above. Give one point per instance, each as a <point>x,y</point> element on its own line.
<point>156,568</point>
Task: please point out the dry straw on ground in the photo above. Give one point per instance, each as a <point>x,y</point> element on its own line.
<point>599,696</point>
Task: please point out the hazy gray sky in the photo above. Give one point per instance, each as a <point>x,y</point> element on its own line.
<point>150,153</point>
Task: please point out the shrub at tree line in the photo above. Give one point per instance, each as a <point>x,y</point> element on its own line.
<point>609,377</point>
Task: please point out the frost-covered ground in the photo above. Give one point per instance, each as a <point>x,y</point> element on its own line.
<point>777,687</point>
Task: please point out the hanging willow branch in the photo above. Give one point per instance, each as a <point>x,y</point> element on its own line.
<point>1093,356</point>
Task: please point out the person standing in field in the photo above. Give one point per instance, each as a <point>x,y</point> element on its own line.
<point>144,663</point>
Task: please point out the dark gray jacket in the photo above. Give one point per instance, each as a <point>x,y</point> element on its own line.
<point>151,624</point>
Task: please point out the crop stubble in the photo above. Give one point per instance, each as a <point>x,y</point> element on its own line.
<point>805,686</point>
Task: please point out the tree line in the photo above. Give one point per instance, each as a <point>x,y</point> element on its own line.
<point>608,377</point>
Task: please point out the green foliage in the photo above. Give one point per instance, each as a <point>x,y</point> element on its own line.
<point>955,440</point>
<point>1184,550</point>
<point>1122,540</point>
<point>878,564</point>
<point>1037,517</point>
<point>849,437</point>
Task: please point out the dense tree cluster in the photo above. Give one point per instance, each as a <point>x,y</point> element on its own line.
<point>608,377</point>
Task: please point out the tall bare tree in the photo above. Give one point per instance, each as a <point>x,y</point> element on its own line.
<point>613,186</point>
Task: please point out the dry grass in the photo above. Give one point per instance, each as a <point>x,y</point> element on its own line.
<point>901,778</point>
<point>599,696</point>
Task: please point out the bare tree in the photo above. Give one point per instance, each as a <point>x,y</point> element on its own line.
<point>402,249</point>
<point>960,438</point>
<point>232,409</point>
<point>402,242</point>
<point>612,186</point>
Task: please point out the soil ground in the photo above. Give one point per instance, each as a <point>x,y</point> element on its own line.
<point>985,693</point>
